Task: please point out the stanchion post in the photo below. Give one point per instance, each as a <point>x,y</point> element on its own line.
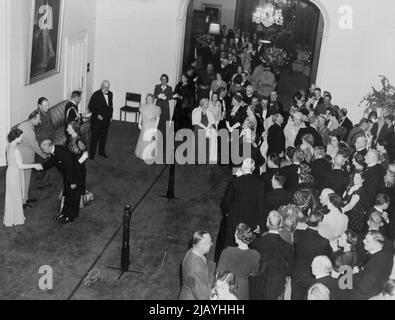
<point>125,250</point>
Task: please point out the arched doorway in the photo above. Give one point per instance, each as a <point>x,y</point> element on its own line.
<point>318,60</point>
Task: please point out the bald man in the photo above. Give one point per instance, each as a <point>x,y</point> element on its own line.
<point>101,107</point>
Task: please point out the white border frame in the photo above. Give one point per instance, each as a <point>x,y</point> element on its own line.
<point>30,80</point>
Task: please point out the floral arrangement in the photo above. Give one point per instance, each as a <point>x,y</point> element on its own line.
<point>383,99</point>
<point>276,57</point>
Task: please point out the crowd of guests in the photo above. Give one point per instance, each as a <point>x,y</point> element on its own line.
<point>314,204</point>
<point>36,144</point>
<point>229,86</point>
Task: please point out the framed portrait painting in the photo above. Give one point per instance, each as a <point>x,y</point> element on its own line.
<point>45,39</point>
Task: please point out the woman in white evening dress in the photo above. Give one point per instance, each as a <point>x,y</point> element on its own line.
<point>15,182</point>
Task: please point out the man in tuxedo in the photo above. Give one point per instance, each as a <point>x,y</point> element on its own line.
<point>313,130</point>
<point>275,106</point>
<point>308,244</point>
<point>101,107</point>
<point>273,168</point>
<point>369,281</point>
<point>374,177</point>
<point>64,161</point>
<point>360,147</point>
<point>243,201</point>
<point>258,53</point>
<point>195,279</point>
<point>276,260</point>
<point>345,122</point>
<point>278,197</point>
<point>337,179</point>
<point>244,81</point>
<point>320,166</point>
<point>318,105</point>
<point>275,137</point>
<point>321,268</point>
<point>290,172</point>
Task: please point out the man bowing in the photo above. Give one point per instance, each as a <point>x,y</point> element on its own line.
<point>101,107</point>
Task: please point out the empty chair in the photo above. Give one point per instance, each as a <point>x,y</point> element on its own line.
<point>132,105</point>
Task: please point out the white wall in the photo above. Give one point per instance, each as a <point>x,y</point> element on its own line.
<point>78,16</point>
<point>353,59</point>
<point>228,11</point>
<point>136,41</point>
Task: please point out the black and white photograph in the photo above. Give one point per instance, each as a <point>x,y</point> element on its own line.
<point>169,151</point>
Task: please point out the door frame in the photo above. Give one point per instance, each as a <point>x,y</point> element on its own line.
<point>68,39</point>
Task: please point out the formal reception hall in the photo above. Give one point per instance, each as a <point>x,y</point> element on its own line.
<point>197,150</point>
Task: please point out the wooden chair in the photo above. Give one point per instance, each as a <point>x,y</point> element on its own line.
<point>131,100</point>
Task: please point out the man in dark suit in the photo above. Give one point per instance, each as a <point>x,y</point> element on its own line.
<point>276,137</point>
<point>258,53</point>
<point>374,223</point>
<point>369,281</point>
<point>278,197</point>
<point>321,268</point>
<point>374,177</point>
<point>359,130</point>
<point>243,201</point>
<point>276,261</point>
<point>275,106</point>
<point>345,122</point>
<point>64,161</point>
<point>195,279</point>
<point>320,166</point>
<point>337,179</point>
<point>319,106</point>
<point>244,81</point>
<point>313,130</point>
<point>308,244</point>
<point>290,172</point>
<point>273,168</point>
<point>101,106</point>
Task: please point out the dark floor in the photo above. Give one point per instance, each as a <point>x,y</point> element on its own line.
<point>160,230</point>
<point>158,227</point>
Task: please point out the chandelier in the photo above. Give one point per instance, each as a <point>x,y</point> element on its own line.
<point>268,14</point>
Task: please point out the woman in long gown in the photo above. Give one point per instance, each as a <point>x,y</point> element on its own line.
<point>15,182</point>
<point>241,260</point>
<point>163,94</point>
<point>353,200</point>
<point>184,96</point>
<point>77,147</point>
<point>147,144</point>
<point>205,134</point>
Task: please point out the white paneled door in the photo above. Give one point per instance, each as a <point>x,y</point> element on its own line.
<point>76,66</point>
